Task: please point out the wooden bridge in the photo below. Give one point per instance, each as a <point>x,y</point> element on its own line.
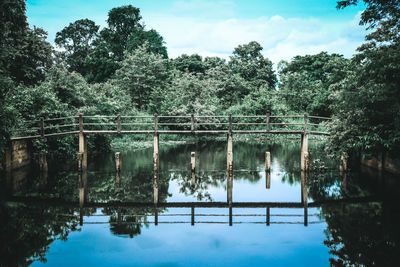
<point>189,124</point>
<point>230,125</point>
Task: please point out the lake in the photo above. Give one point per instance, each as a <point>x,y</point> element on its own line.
<point>279,218</point>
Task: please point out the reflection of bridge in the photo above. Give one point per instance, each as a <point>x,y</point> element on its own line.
<point>263,218</point>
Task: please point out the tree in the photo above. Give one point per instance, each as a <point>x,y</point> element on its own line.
<point>189,63</point>
<point>154,39</point>
<point>77,41</point>
<point>25,57</point>
<point>368,102</point>
<point>24,53</point>
<point>305,82</point>
<point>144,76</point>
<point>112,42</point>
<point>191,94</point>
<point>251,65</point>
<point>122,22</point>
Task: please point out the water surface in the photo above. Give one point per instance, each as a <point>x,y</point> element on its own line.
<point>282,218</point>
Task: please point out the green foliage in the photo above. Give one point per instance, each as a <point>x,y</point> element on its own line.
<point>251,65</point>
<point>306,81</point>
<point>192,64</point>
<point>144,76</point>
<point>122,22</point>
<point>24,53</point>
<point>100,63</point>
<point>76,40</point>
<point>152,37</point>
<point>191,94</point>
<point>367,103</point>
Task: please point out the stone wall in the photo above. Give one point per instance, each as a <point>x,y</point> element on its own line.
<point>382,162</point>
<point>17,155</point>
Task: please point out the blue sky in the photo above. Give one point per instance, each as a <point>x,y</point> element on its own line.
<point>214,28</point>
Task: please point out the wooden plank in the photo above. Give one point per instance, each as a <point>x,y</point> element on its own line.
<point>319,117</point>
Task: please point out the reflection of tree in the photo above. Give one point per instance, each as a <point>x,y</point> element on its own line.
<point>123,224</point>
<point>134,187</point>
<point>204,180</point>
<point>26,232</point>
<point>360,234</point>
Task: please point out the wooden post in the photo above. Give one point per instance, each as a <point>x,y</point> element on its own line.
<point>304,187</point>
<point>156,216</point>
<point>42,127</point>
<point>80,216</point>
<point>119,216</point>
<point>193,168</point>
<point>229,169</point>
<point>305,123</point>
<point>192,216</point>
<point>193,161</point>
<point>267,179</point>
<point>230,215</point>
<point>306,161</point>
<point>156,167</point>
<point>267,161</point>
<point>82,144</point>
<point>305,215</point>
<point>304,195</point>
<point>117,179</point>
<point>268,216</point>
<point>118,162</point>
<point>268,126</point>
<point>156,161</point>
<point>82,183</point>
<point>118,168</point>
<point>229,157</point>
<point>80,158</point>
<point>43,162</point>
<point>304,152</point>
<point>229,187</point>
<point>343,162</point>
<point>119,123</point>
<point>155,124</point>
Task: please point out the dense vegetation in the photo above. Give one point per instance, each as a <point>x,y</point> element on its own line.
<point>124,69</point>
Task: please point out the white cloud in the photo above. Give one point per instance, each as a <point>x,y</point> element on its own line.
<point>204,9</point>
<point>282,38</point>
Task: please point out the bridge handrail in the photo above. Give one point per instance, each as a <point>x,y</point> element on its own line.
<point>176,124</point>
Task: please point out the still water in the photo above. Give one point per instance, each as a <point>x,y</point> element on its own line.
<point>281,218</point>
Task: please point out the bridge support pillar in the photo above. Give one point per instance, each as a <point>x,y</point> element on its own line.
<point>229,166</point>
<point>267,161</point>
<point>83,150</point>
<point>156,163</point>
<point>305,158</point>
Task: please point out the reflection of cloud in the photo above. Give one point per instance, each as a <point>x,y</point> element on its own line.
<point>282,38</point>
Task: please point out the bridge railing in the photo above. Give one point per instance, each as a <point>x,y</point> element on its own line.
<point>183,124</point>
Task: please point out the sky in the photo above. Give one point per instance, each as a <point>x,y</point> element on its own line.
<point>214,28</point>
